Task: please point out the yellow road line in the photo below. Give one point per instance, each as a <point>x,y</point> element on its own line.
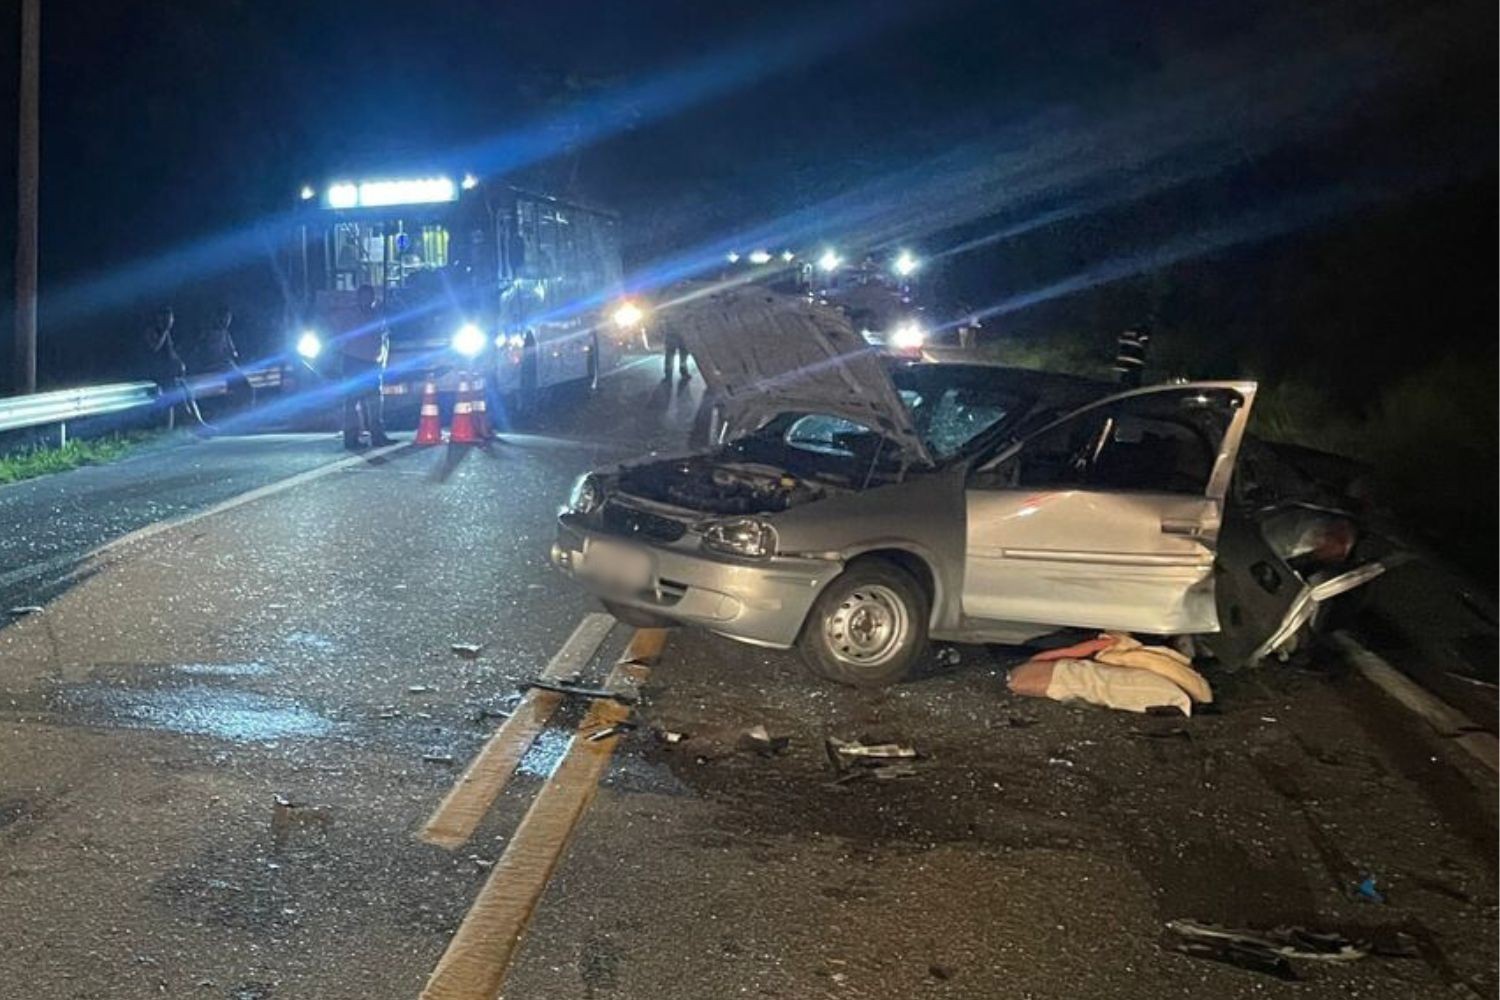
<point>455,819</point>
<point>478,957</point>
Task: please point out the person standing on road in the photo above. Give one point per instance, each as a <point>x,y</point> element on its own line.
<point>164,366</point>
<point>362,352</point>
<point>673,346</point>
<point>1130,355</point>
<point>221,355</point>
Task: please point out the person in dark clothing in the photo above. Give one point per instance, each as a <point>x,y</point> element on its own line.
<point>363,346</point>
<point>164,366</point>
<point>673,346</point>
<point>221,355</point>
<point>1130,355</point>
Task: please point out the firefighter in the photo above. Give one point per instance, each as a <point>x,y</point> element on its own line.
<point>1130,355</point>
<point>363,347</point>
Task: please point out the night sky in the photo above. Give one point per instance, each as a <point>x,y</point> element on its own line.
<point>1124,146</point>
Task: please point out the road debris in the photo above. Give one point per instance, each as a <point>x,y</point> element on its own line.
<point>24,609</point>
<point>1262,951</point>
<point>618,729</point>
<point>575,690</point>
<point>418,689</point>
<point>949,656</point>
<point>1367,892</point>
<point>438,758</point>
<point>670,737</point>
<point>865,751</point>
<point>467,650</point>
<point>857,759</point>
<point>286,814</point>
<point>388,712</point>
<point>758,739</point>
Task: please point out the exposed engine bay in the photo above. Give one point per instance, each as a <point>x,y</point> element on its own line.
<point>703,484</point>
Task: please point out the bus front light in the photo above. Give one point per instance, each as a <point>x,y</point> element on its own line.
<point>469,340</point>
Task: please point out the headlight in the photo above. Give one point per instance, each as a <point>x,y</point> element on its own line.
<point>741,536</point>
<point>628,315</point>
<point>905,264</point>
<point>908,336</point>
<point>309,345</point>
<point>587,495</point>
<point>469,340</point>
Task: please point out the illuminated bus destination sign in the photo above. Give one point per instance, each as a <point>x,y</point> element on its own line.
<point>381,194</point>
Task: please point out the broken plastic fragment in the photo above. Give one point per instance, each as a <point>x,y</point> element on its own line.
<point>468,650</point>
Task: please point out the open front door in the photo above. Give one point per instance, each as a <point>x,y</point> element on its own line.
<point>1109,517</point>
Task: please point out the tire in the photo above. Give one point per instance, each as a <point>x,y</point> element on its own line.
<point>635,616</point>
<point>888,609</point>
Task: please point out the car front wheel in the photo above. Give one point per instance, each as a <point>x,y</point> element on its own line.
<point>869,626</point>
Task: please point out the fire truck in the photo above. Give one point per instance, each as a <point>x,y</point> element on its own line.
<point>471,277</point>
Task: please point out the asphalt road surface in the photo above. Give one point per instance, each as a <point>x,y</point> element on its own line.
<point>296,648</point>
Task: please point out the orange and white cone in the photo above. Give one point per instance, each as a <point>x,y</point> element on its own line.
<point>463,430</point>
<point>482,425</point>
<point>430,424</point>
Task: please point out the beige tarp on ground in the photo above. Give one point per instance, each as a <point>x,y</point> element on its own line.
<point>1127,651</point>
<point>1114,671</point>
<point>1126,688</point>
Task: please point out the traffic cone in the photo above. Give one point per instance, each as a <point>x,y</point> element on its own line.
<point>462,431</point>
<point>482,425</point>
<point>430,425</point>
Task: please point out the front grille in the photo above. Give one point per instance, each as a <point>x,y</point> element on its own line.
<point>631,522</point>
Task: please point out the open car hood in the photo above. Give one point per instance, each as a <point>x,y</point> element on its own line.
<point>765,353</point>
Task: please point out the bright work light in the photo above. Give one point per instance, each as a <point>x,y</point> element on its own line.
<point>628,315</point>
<point>905,264</point>
<point>830,261</point>
<point>760,256</point>
<point>309,345</point>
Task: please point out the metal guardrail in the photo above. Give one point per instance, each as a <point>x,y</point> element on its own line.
<point>45,409</point>
<point>211,384</point>
<point>58,407</point>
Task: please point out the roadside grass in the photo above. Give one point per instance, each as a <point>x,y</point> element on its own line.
<point>43,461</point>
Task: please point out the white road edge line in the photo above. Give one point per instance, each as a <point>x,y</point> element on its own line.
<point>27,573</point>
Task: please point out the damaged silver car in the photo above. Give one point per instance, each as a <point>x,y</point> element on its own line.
<point>856,509</point>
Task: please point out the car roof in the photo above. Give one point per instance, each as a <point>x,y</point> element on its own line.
<point>1052,390</point>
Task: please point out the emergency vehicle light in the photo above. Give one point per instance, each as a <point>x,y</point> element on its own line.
<point>381,194</point>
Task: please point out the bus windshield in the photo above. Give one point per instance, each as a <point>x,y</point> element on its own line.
<point>386,253</point>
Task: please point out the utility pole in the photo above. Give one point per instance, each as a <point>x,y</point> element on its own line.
<point>28,169</point>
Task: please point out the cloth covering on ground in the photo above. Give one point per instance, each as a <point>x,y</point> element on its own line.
<point>1114,670</point>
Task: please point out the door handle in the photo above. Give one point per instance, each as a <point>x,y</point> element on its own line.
<point>1189,528</point>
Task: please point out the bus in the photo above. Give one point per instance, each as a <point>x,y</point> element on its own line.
<point>473,278</point>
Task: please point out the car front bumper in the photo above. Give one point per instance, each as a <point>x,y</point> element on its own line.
<point>761,602</point>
